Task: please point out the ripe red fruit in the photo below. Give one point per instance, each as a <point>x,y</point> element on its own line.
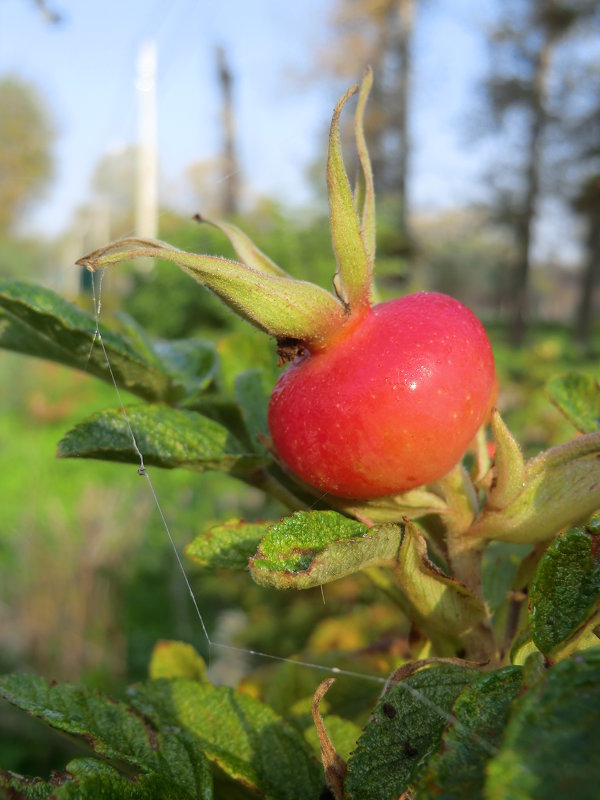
<point>378,399</point>
<point>390,404</point>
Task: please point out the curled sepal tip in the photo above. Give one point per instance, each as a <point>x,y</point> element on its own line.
<point>557,488</point>
<point>353,279</point>
<point>283,307</point>
<point>248,253</point>
<point>365,193</point>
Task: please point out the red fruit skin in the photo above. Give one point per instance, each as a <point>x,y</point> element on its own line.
<point>390,404</point>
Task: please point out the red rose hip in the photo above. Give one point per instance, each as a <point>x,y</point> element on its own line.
<point>390,404</point>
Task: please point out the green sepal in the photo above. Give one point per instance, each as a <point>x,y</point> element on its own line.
<point>365,198</point>
<point>560,487</point>
<point>413,504</point>
<point>354,270</point>
<point>509,466</point>
<point>281,306</point>
<point>441,602</point>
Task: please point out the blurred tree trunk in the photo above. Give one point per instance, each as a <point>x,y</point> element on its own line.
<point>588,203</point>
<point>406,13</point>
<point>525,221</point>
<point>230,177</point>
<point>521,96</point>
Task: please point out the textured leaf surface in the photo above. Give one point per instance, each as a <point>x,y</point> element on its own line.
<point>247,740</point>
<point>551,745</point>
<point>404,731</point>
<point>457,771</point>
<point>38,322</point>
<point>315,547</point>
<point>441,601</point>
<point>166,437</point>
<point>578,398</point>
<point>20,787</point>
<point>229,545</point>
<point>90,778</point>
<point>176,660</point>
<point>566,589</point>
<point>113,730</point>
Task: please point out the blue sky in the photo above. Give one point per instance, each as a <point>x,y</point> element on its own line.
<point>85,69</point>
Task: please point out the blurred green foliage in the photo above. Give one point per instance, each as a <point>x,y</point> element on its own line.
<point>88,582</point>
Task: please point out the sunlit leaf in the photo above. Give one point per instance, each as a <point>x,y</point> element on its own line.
<point>166,437</point>
<point>315,547</point>
<point>228,545</point>
<point>36,321</point>
<point>405,730</point>
<point>457,770</point>
<point>244,737</point>
<point>176,660</point>
<point>114,731</point>
<point>552,739</point>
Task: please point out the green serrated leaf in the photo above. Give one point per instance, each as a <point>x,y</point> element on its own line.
<point>38,322</point>
<point>228,545</point>
<point>113,730</point>
<point>457,771</point>
<point>566,589</point>
<point>551,744</point>
<point>90,778</point>
<point>310,548</point>
<point>252,390</point>
<point>244,737</point>
<point>166,437</point>
<point>442,602</point>
<point>405,730</point>
<point>176,660</point>
<point>578,398</point>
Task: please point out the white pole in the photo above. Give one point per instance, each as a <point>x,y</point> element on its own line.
<point>146,212</point>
